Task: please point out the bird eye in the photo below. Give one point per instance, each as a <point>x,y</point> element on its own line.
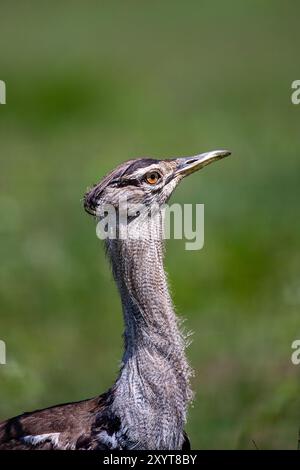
<point>152,177</point>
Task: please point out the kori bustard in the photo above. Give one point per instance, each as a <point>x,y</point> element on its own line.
<point>147,405</point>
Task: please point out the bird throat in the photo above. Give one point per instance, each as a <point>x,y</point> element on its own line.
<point>152,391</point>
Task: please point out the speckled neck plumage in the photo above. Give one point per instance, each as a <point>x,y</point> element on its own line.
<point>154,378</point>
<point>146,407</point>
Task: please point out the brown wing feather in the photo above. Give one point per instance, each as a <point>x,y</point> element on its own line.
<point>71,421</point>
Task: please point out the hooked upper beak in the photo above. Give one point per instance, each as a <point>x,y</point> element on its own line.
<point>187,165</point>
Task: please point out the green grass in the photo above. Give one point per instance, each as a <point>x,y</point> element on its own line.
<point>90,85</point>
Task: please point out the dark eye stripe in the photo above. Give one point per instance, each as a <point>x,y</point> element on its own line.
<point>126,182</point>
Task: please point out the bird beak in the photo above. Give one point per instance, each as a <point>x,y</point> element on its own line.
<point>187,165</point>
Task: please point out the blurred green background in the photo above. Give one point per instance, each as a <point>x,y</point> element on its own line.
<point>91,84</point>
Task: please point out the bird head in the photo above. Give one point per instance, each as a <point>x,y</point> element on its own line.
<point>145,181</point>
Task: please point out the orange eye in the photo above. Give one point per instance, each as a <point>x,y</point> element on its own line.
<point>152,177</point>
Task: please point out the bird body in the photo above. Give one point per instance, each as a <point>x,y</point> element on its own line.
<point>146,407</point>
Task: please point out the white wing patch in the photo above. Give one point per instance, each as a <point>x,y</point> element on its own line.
<point>40,438</point>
